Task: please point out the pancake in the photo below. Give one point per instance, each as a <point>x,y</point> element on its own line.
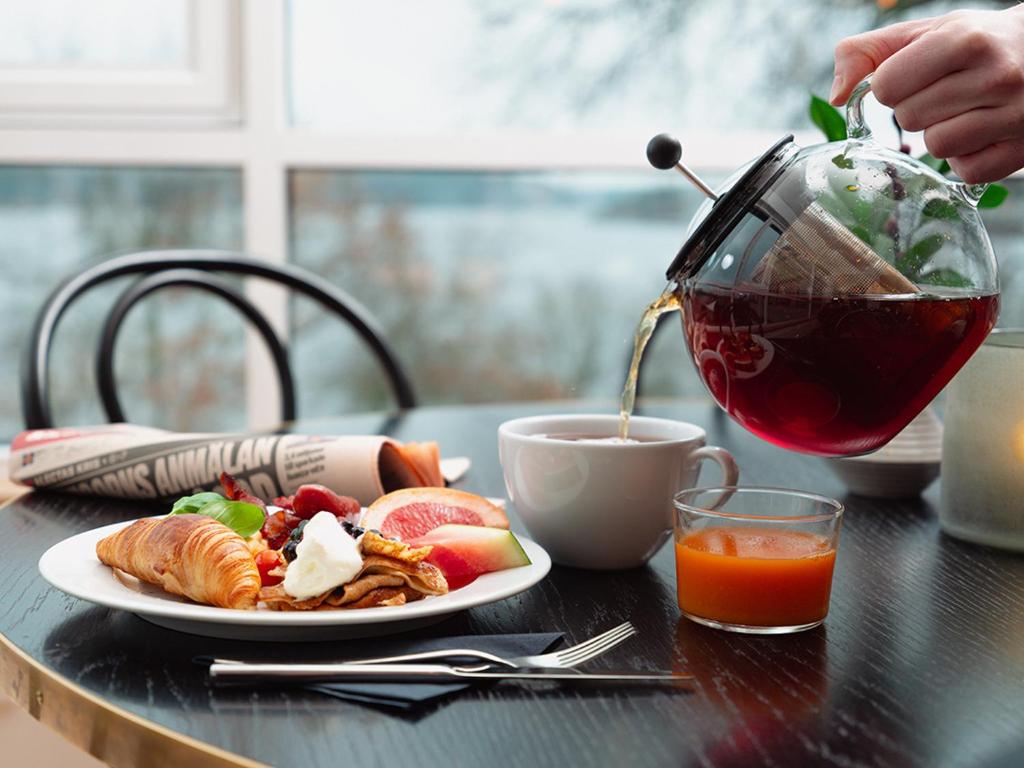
<point>395,578</point>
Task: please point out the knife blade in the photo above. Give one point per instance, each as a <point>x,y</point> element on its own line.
<point>240,673</point>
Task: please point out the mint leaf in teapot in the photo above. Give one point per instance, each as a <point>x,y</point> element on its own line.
<point>842,161</point>
<point>948,278</point>
<point>994,196</point>
<point>936,164</point>
<point>863,234</point>
<point>937,208</point>
<point>828,119</point>
<point>240,516</point>
<point>919,253</point>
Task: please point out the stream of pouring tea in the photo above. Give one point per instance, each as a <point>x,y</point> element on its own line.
<point>667,302</point>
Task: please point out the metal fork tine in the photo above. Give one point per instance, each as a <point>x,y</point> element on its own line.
<point>600,640</point>
<point>598,644</point>
<point>587,644</point>
<point>597,650</point>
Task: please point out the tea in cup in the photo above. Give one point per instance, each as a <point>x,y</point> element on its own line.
<point>593,500</point>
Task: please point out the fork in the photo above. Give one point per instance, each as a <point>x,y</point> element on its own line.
<point>566,658</point>
<point>563,659</point>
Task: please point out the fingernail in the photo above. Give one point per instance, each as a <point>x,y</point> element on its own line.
<point>837,86</point>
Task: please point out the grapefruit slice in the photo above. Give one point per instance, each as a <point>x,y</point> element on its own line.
<point>463,552</point>
<point>412,512</point>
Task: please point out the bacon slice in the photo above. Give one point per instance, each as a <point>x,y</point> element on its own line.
<point>234,491</point>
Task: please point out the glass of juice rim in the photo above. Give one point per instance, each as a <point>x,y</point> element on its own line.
<point>754,559</point>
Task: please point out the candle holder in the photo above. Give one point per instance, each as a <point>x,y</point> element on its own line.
<point>982,496</point>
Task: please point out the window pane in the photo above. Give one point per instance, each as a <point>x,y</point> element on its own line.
<point>492,286</point>
<point>568,65</point>
<point>506,286</point>
<point>179,358</point>
<point>99,34</point>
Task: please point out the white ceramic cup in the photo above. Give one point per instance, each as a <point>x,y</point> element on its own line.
<point>602,505</point>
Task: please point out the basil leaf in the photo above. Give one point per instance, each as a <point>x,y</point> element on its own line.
<point>191,504</point>
<point>240,516</point>
<point>994,196</point>
<point>828,119</point>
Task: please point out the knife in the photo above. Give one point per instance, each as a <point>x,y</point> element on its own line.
<point>237,673</point>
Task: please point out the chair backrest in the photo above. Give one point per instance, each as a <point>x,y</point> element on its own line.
<point>160,269</point>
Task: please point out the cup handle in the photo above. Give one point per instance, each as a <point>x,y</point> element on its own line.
<point>724,459</point>
<point>730,470</point>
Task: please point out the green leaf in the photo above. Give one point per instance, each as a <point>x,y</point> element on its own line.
<point>192,504</point>
<point>863,234</point>
<point>842,161</point>
<point>918,254</point>
<point>240,516</point>
<point>994,196</point>
<point>946,277</point>
<point>937,208</point>
<point>940,166</point>
<point>828,119</point>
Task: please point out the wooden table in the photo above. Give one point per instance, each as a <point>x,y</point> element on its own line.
<point>920,663</point>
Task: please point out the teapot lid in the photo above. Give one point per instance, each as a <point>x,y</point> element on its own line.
<point>728,208</point>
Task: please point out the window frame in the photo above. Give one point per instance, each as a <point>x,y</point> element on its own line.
<point>206,92</point>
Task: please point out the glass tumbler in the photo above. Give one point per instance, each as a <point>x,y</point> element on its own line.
<point>755,560</point>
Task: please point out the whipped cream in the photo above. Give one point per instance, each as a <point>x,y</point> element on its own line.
<point>325,558</point>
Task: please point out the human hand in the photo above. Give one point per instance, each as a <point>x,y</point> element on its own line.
<point>958,77</point>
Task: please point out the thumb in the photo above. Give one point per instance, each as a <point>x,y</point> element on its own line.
<point>860,55</point>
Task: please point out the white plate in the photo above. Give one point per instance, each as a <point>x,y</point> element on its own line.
<point>72,566</point>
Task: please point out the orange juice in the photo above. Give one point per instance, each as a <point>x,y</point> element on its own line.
<point>755,576</point>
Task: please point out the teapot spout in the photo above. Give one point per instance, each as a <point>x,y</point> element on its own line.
<point>972,193</point>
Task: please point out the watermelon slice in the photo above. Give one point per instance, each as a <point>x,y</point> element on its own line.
<point>412,512</point>
<point>463,552</point>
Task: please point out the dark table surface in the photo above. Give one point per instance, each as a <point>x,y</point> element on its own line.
<point>920,662</point>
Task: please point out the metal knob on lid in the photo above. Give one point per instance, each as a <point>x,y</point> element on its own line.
<point>665,152</point>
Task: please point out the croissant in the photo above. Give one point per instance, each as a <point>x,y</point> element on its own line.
<point>190,555</point>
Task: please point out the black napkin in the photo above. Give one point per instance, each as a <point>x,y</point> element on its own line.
<point>405,696</point>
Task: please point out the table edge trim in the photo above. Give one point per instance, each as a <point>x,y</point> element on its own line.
<point>32,684</point>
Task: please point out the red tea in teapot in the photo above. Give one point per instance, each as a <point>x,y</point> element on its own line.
<point>838,375</point>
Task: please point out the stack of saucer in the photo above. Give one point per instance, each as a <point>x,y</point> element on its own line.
<point>900,469</point>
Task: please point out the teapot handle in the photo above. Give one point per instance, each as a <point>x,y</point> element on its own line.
<point>970,192</point>
<point>858,130</point>
<point>856,127</point>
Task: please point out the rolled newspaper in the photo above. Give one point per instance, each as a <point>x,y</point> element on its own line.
<point>134,462</point>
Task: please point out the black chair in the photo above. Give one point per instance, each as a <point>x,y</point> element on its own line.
<point>197,269</point>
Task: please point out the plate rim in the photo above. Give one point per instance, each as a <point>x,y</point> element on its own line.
<point>452,602</point>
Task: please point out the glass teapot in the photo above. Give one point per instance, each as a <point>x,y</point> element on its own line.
<point>830,292</point>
